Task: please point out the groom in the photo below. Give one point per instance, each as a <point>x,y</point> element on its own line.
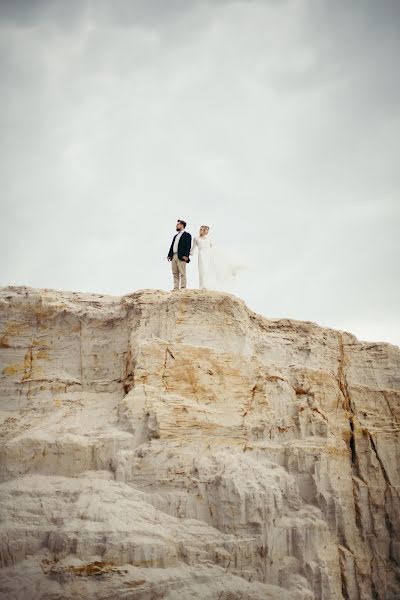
<point>179,254</point>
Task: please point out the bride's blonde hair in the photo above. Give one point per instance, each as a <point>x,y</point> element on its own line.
<point>206,227</point>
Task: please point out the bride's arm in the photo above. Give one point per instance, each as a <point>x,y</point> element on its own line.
<point>193,247</point>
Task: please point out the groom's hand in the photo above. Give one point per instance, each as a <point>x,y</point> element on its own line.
<point>185,258</point>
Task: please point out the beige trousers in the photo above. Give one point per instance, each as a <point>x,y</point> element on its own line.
<point>179,272</point>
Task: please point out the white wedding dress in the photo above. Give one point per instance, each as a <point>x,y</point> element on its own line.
<point>216,269</point>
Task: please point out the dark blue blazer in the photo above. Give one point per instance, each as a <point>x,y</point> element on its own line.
<point>184,246</point>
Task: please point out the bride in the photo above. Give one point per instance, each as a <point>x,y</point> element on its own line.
<point>215,268</point>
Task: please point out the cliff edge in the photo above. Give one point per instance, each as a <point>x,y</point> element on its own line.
<point>177,445</point>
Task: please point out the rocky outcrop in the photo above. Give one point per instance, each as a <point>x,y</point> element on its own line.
<point>177,445</point>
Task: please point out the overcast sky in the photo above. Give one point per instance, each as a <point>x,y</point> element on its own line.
<point>276,122</point>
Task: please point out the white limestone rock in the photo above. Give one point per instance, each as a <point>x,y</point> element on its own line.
<point>178,445</point>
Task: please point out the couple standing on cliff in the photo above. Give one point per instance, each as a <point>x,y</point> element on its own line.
<point>215,268</point>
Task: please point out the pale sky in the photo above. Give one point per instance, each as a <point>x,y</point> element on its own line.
<point>276,122</point>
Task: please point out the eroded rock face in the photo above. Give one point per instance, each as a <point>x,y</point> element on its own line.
<point>177,445</point>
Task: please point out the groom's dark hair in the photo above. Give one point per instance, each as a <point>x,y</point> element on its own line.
<point>182,222</point>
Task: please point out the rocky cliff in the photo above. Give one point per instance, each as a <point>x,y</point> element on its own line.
<point>180,446</point>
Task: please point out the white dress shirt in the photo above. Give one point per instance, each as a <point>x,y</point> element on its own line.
<point>176,242</point>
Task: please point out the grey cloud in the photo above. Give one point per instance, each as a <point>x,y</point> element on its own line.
<point>360,39</point>
<point>142,12</point>
<point>36,13</point>
<point>124,13</point>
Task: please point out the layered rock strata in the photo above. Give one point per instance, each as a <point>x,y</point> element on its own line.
<point>177,445</point>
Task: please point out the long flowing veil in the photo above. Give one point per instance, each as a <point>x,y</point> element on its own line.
<point>224,267</point>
